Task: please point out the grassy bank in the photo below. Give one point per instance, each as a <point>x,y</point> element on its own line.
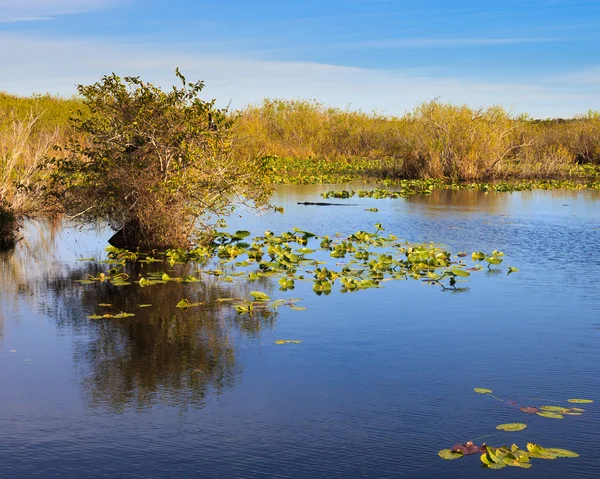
<point>307,142</point>
<point>436,140</point>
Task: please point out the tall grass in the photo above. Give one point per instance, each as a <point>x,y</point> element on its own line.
<point>29,129</point>
<point>436,140</point>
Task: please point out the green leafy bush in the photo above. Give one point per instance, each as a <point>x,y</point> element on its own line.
<point>155,165</point>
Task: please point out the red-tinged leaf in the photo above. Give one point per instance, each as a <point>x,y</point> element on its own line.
<point>529,409</point>
<point>466,449</point>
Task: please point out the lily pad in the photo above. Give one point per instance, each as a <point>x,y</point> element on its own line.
<point>558,452</point>
<point>529,409</point>
<point>558,409</point>
<point>287,341</point>
<point>512,427</point>
<point>551,415</point>
<point>483,391</point>
<point>580,401</point>
<point>449,455</point>
<point>259,296</point>
<point>297,308</point>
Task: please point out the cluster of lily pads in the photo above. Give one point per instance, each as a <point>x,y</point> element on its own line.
<point>371,259</point>
<point>503,456</point>
<point>315,170</point>
<point>360,261</point>
<point>407,188</point>
<point>289,170</point>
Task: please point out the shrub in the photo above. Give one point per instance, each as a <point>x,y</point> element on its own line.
<point>157,166</point>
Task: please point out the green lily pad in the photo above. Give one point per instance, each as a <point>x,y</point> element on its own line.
<point>449,455</point>
<point>483,391</point>
<point>259,296</point>
<point>558,452</point>
<point>512,427</point>
<point>549,414</point>
<point>580,401</point>
<point>297,308</point>
<point>558,409</point>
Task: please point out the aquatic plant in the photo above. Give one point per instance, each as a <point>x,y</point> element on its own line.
<point>513,456</point>
<point>364,260</point>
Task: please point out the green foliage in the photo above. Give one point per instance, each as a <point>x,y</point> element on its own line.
<point>157,166</point>
<point>513,456</point>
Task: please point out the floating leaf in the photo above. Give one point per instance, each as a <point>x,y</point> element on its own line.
<point>297,308</point>
<point>449,455</point>
<point>259,296</point>
<point>460,272</point>
<point>551,415</point>
<point>539,452</point>
<point>95,316</point>
<point>123,315</point>
<point>580,401</point>
<point>529,409</point>
<point>105,305</point>
<point>558,452</point>
<point>483,391</point>
<point>512,427</point>
<point>467,448</point>
<point>287,341</point>
<point>184,303</point>
<point>559,409</point>
<point>144,305</point>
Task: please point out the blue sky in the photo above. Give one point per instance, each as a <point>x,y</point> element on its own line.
<point>535,56</point>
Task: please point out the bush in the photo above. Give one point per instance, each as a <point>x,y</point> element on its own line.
<point>157,165</point>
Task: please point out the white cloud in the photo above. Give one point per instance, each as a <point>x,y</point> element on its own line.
<point>56,65</point>
<point>33,10</point>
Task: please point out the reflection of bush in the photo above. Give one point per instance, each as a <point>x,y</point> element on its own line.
<point>162,355</point>
<point>175,359</point>
<point>8,228</point>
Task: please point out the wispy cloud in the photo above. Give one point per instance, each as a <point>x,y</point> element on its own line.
<point>440,42</point>
<point>48,64</point>
<point>35,10</point>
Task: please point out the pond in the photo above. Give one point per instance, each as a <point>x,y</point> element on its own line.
<point>381,380</point>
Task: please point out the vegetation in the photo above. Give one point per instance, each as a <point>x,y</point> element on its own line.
<point>29,128</point>
<point>156,165</point>
<point>181,154</point>
<point>363,260</point>
<point>436,140</point>
<point>501,457</point>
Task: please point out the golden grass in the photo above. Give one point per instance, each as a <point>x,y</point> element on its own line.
<point>436,140</point>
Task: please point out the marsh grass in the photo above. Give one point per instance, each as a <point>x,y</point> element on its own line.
<point>29,129</point>
<point>310,142</point>
<point>436,140</point>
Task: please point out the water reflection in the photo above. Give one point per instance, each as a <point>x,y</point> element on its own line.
<point>162,355</point>
<point>461,200</point>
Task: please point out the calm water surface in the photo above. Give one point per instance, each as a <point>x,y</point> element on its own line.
<point>382,380</point>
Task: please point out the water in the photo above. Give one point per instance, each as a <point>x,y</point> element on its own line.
<point>382,380</point>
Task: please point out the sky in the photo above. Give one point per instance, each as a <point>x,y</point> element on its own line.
<point>540,57</point>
